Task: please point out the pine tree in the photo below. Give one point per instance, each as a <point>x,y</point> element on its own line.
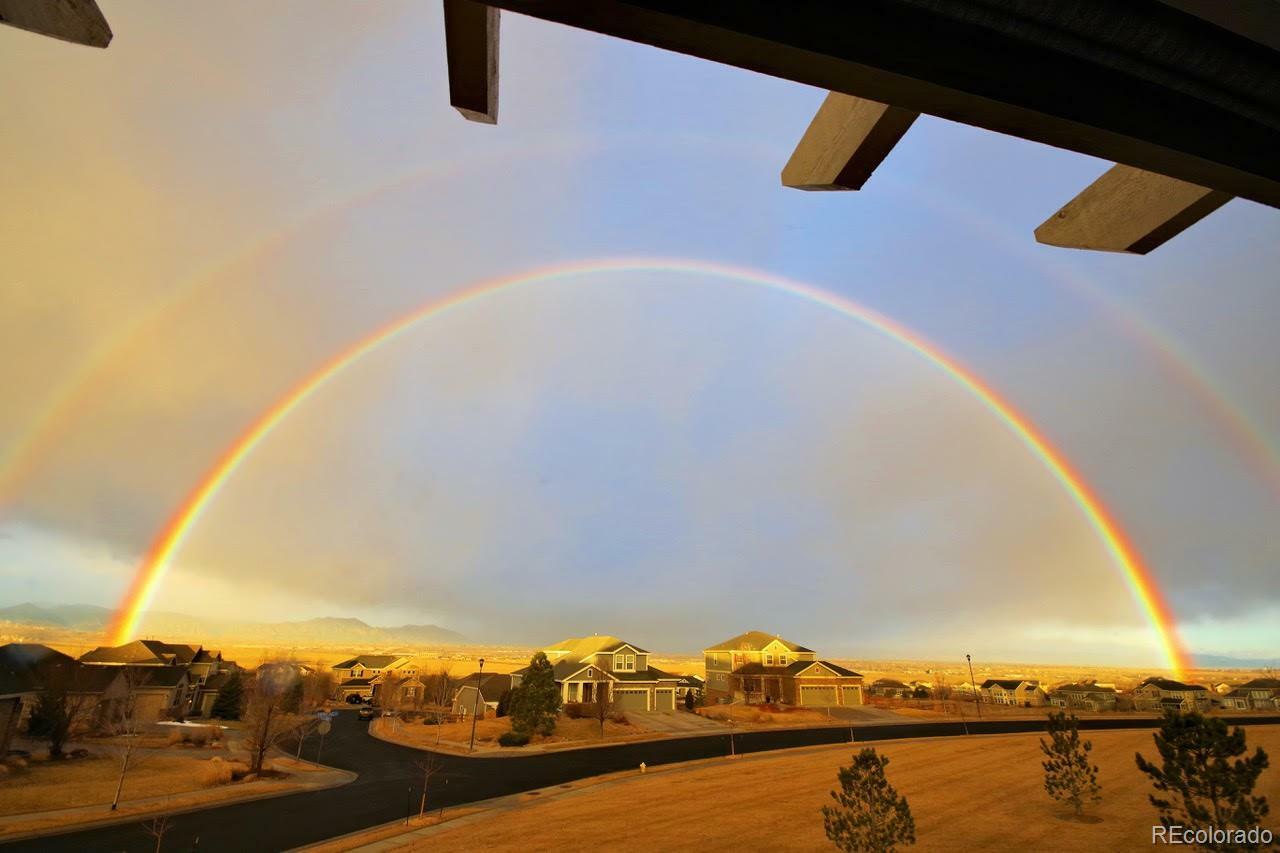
<point>1068,775</point>
<point>1206,788</point>
<point>292,702</point>
<point>536,702</point>
<point>230,699</point>
<point>870,815</point>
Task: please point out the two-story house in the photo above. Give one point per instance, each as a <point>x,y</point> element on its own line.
<point>1260,694</point>
<point>360,675</point>
<point>1089,696</point>
<point>756,667</point>
<point>1022,692</point>
<point>182,693</point>
<point>584,666</point>
<point>1162,694</point>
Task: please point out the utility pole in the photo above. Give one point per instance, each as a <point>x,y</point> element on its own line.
<point>977,694</point>
<point>476,709</point>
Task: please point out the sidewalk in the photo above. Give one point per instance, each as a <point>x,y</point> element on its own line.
<point>304,776</point>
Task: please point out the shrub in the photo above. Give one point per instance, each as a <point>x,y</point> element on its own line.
<point>239,769</point>
<point>216,772</point>
<point>176,736</point>
<point>513,739</point>
<point>619,718</point>
<point>575,710</point>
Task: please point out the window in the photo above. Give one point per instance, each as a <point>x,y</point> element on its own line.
<point>631,662</point>
<point>768,659</point>
<point>782,660</point>
<point>591,672</point>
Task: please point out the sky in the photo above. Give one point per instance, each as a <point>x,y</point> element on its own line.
<point>196,218</point>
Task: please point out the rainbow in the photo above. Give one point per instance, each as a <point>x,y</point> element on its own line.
<point>1138,577</point>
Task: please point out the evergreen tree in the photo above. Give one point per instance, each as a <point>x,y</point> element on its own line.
<point>689,700</point>
<point>292,701</point>
<point>536,702</point>
<point>1068,775</point>
<point>1202,786</point>
<point>870,815</point>
<point>230,699</point>
<point>504,703</point>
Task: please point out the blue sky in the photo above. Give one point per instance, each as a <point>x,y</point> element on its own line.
<point>671,459</point>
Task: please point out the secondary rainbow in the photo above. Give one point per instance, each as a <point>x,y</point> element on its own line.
<point>1138,577</point>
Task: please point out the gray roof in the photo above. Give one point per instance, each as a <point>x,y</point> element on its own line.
<point>356,682</point>
<point>145,652</point>
<point>369,661</point>
<point>1170,684</point>
<point>1262,684</point>
<point>754,641</point>
<point>492,684</point>
<point>24,666</point>
<point>1083,688</point>
<point>1007,683</point>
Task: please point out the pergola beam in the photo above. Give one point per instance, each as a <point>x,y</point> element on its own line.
<point>847,139</point>
<point>1144,84</point>
<point>471,48</point>
<point>1129,210</point>
<point>76,21</point>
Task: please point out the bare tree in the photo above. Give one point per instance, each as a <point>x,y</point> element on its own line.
<point>941,689</point>
<point>266,723</point>
<point>63,709</point>
<point>120,721</point>
<point>430,765</point>
<point>438,687</point>
<point>604,698</point>
<point>156,827</point>
<point>317,688</point>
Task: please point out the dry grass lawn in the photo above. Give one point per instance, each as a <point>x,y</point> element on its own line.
<point>981,793</point>
<point>92,781</point>
<point>490,729</point>
<point>752,717</point>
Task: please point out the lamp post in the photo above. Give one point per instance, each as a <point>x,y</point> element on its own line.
<point>475,709</point>
<point>977,694</point>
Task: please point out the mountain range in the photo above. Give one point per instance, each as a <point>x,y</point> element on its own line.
<point>181,627</point>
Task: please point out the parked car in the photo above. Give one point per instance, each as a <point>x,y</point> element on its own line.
<point>368,712</point>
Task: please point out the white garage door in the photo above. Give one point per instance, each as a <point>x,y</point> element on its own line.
<point>631,699</point>
<point>665,699</point>
<point>817,695</point>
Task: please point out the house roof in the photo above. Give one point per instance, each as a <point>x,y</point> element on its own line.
<point>692,680</point>
<point>581,648</point>
<point>216,681</point>
<point>1007,683</point>
<point>144,652</point>
<point>1170,684</point>
<point>24,665</point>
<point>492,684</point>
<point>205,656</point>
<point>356,682</point>
<point>888,682</point>
<point>1083,688</point>
<point>834,667</point>
<point>1262,684</point>
<point>754,641</point>
<point>793,668</point>
<point>369,661</point>
<point>155,676</point>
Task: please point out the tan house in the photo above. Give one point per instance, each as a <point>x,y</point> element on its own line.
<point>756,666</point>
<point>360,675</point>
<point>1022,692</point>
<point>1260,694</point>
<point>1165,694</point>
<point>491,686</point>
<point>1089,696</point>
<point>584,666</point>
<point>198,664</point>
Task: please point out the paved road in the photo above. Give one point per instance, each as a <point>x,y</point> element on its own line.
<point>389,782</point>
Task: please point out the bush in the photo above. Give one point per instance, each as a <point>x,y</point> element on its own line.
<point>216,772</point>
<point>619,718</point>
<point>176,736</point>
<point>239,769</point>
<point>575,710</point>
<point>513,739</point>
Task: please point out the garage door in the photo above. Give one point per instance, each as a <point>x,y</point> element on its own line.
<point>817,695</point>
<point>665,699</point>
<point>631,700</point>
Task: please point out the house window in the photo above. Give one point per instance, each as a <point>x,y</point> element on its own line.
<point>768,659</point>
<point>631,662</point>
<point>591,672</point>
<point>782,660</point>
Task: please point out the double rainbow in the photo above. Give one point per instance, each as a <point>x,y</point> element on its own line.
<point>1137,575</point>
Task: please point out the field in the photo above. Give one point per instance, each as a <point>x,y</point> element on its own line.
<point>981,793</point>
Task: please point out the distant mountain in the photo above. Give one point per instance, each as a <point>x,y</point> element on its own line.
<point>179,627</point>
<point>1228,662</point>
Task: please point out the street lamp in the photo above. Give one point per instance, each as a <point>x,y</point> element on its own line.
<point>977,694</point>
<point>476,709</point>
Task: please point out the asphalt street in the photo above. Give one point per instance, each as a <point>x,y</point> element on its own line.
<point>389,783</point>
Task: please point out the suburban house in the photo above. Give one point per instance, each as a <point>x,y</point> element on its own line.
<point>394,691</point>
<point>584,666</point>
<point>206,693</point>
<point>491,686</point>
<point>25,670</point>
<point>154,692</point>
<point>764,667</point>
<point>891,688</point>
<point>176,693</point>
<point>142,653</point>
<point>687,684</point>
<point>359,676</point>
<point>1022,692</point>
<point>1260,694</point>
<point>1089,696</point>
<point>1161,694</point>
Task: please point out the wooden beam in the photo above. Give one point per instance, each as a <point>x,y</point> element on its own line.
<point>1129,210</point>
<point>1138,83</point>
<point>77,21</point>
<point>471,46</point>
<point>847,139</point>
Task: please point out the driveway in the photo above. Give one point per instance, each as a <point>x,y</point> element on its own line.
<point>863,715</point>
<point>676,722</point>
